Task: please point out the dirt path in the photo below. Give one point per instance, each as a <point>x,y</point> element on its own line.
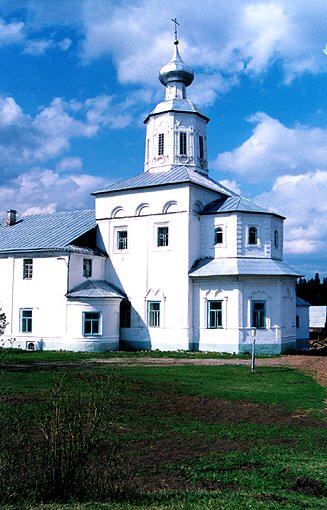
<point>315,365</point>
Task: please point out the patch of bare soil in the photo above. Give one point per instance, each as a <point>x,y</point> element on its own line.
<point>152,456</point>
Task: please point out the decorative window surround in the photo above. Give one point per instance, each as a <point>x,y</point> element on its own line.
<point>153,314</point>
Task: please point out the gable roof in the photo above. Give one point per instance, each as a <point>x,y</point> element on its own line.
<point>301,302</point>
<point>177,175</point>
<point>56,231</point>
<point>95,289</point>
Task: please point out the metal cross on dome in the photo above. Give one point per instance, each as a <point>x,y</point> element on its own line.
<point>175,30</point>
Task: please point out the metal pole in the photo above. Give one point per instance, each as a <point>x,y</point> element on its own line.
<point>254,332</point>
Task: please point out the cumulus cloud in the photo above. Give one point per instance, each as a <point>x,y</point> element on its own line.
<point>26,140</point>
<point>42,190</point>
<point>241,37</point>
<point>302,199</point>
<point>274,149</point>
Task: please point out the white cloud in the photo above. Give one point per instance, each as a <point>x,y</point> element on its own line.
<point>11,32</point>
<point>232,185</point>
<point>40,46</point>
<point>26,140</point>
<point>42,190</point>
<point>70,163</point>
<point>302,199</point>
<point>274,149</point>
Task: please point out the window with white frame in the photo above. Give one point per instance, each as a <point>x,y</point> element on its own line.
<point>219,235</point>
<point>27,269</point>
<point>26,320</point>
<point>162,236</point>
<point>276,238</point>
<point>214,314</point>
<point>154,314</point>
<point>161,144</point>
<point>201,147</point>
<point>258,313</point>
<point>253,235</point>
<point>87,268</point>
<point>183,143</point>
<point>122,239</point>
<point>91,323</point>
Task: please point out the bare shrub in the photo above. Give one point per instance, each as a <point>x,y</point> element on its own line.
<point>68,447</point>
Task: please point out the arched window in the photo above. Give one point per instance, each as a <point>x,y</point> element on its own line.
<point>219,236</point>
<point>253,235</point>
<point>276,238</point>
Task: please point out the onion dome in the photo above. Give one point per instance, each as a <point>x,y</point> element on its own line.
<point>176,70</point>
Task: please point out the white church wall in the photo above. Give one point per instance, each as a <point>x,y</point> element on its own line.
<point>42,295</point>
<point>76,268</point>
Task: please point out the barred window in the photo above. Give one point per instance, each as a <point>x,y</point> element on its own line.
<point>183,144</point>
<point>122,237</point>
<point>27,269</point>
<point>161,144</point>
<point>162,236</point>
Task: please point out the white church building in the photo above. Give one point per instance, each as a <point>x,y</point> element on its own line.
<point>169,260</point>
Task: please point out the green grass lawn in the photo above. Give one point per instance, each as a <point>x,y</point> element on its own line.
<point>197,437</point>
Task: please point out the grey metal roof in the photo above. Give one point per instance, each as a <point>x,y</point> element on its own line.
<point>177,175</point>
<point>235,203</point>
<point>301,302</point>
<point>241,266</point>
<point>95,289</point>
<point>176,105</point>
<point>45,231</point>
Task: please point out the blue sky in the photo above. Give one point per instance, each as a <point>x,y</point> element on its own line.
<point>78,77</point>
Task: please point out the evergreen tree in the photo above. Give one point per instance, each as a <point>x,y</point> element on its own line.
<point>3,322</point>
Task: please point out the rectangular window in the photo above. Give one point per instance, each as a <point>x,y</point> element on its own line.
<point>26,320</point>
<point>27,269</point>
<point>91,323</point>
<point>201,147</point>
<point>161,144</point>
<point>162,236</point>
<point>182,144</point>
<point>258,314</point>
<point>215,314</point>
<point>154,314</point>
<point>297,321</point>
<point>122,240</point>
<point>87,268</point>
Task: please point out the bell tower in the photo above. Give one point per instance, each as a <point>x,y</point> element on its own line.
<point>176,129</point>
